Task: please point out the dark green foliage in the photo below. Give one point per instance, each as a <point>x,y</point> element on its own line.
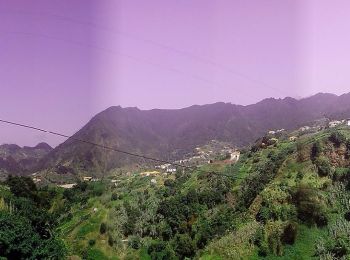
<point>303,152</point>
<point>184,246</point>
<point>260,242</point>
<point>309,206</point>
<point>337,138</point>
<point>324,167</point>
<point>347,144</point>
<point>342,175</point>
<point>114,196</point>
<point>290,233</point>
<point>18,240</point>
<point>103,228</point>
<point>160,250</point>
<point>275,244</point>
<point>27,233</point>
<point>92,242</point>
<point>256,182</point>
<point>347,216</point>
<point>299,176</point>
<point>110,240</point>
<point>134,242</point>
<point>269,212</point>
<point>316,150</point>
<point>97,189</point>
<point>22,187</point>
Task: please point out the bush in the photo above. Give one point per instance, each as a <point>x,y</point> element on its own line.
<point>302,152</point>
<point>309,206</point>
<point>114,196</point>
<point>103,228</point>
<point>135,242</point>
<point>324,167</point>
<point>184,246</point>
<point>337,138</point>
<point>110,240</point>
<point>92,242</point>
<point>316,150</point>
<point>347,216</point>
<point>290,233</point>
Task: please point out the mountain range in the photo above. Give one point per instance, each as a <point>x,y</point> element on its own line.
<point>169,134</point>
<point>21,160</point>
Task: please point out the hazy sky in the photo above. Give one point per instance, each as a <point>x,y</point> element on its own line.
<point>62,61</point>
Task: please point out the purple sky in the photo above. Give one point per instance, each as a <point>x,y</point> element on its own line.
<point>62,61</point>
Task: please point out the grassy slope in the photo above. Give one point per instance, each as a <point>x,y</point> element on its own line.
<point>84,225</point>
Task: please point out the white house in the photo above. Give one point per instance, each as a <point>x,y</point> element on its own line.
<point>304,128</point>
<point>348,122</point>
<point>293,138</point>
<point>67,186</point>
<point>171,169</point>
<point>334,123</point>
<point>164,166</point>
<point>235,156</point>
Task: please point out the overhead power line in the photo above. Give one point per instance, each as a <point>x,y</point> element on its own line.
<point>169,48</point>
<point>92,143</point>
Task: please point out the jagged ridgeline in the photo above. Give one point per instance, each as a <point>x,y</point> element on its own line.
<point>286,198</point>
<point>170,134</point>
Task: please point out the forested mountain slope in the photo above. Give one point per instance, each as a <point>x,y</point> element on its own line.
<point>169,134</point>
<point>288,199</point>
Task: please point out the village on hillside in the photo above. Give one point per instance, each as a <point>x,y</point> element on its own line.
<point>215,152</point>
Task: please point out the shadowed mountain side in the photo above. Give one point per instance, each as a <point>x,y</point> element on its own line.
<point>169,134</point>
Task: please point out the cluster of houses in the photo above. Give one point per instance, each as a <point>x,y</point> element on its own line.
<point>336,123</point>
<point>209,152</point>
<point>273,132</point>
<point>168,168</point>
<point>89,178</point>
<point>149,173</point>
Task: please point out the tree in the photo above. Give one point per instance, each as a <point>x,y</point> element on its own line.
<point>323,166</point>
<point>184,246</point>
<point>316,150</point>
<point>310,207</point>
<point>22,186</point>
<point>103,228</point>
<point>337,138</point>
<point>17,237</point>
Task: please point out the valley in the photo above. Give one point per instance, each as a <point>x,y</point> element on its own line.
<point>283,199</point>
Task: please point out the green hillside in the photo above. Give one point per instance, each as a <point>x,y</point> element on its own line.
<point>283,200</point>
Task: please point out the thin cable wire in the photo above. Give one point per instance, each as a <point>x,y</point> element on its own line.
<point>92,143</point>
<point>137,59</point>
<point>152,42</point>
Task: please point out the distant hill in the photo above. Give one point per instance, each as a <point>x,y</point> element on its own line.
<point>21,160</point>
<point>169,134</point>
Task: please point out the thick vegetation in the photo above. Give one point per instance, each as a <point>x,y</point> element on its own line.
<point>282,200</point>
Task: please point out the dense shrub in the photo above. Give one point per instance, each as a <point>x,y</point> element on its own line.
<point>134,242</point>
<point>161,250</point>
<point>290,233</point>
<point>303,152</point>
<point>19,240</point>
<point>310,207</point>
<point>316,150</point>
<point>337,138</point>
<point>184,246</point>
<point>323,166</point>
<point>103,228</point>
<point>92,242</point>
<point>114,196</point>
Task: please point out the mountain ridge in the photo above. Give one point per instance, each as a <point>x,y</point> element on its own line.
<point>170,133</point>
